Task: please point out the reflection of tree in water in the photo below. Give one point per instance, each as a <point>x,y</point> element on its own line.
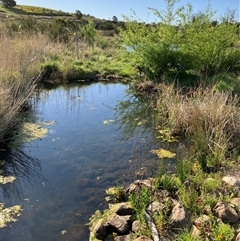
<point>135,115</point>
<point>25,168</point>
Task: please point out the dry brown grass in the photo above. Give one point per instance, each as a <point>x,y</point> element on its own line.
<point>19,69</point>
<point>207,119</point>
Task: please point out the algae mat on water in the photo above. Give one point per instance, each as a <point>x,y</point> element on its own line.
<point>29,132</point>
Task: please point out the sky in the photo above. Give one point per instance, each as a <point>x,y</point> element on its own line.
<point>106,9</point>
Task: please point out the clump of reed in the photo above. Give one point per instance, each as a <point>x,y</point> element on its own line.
<point>208,121</point>
<point>19,73</point>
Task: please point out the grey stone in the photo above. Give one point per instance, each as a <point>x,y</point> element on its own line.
<point>123,238</point>
<point>135,226</point>
<point>195,231</point>
<point>236,201</point>
<point>124,209</point>
<point>119,224</point>
<point>232,181</point>
<point>143,238</point>
<point>100,230</point>
<point>226,213</point>
<point>145,182</point>
<point>180,217</point>
<point>202,221</point>
<point>155,207</point>
<point>237,237</point>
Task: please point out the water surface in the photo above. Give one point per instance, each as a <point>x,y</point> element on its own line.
<point>61,179</point>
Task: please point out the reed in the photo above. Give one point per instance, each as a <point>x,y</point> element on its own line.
<point>19,73</point>
<point>208,121</point>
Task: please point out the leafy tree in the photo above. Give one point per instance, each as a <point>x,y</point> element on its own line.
<point>89,32</point>
<point>114,19</point>
<point>60,30</point>
<point>79,14</point>
<point>9,3</point>
<point>182,43</point>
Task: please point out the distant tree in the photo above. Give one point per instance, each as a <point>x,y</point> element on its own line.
<point>89,32</point>
<point>79,14</point>
<point>9,3</point>
<point>114,19</point>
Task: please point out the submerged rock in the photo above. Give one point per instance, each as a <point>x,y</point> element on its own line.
<point>100,230</point>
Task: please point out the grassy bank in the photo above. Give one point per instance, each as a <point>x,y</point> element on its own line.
<point>18,80</point>
<point>35,51</point>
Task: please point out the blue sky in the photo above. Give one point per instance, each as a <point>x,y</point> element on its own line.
<point>106,9</point>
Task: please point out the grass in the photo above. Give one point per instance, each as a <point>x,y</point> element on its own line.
<point>29,56</point>
<point>208,121</point>
<point>34,10</point>
<point>18,80</point>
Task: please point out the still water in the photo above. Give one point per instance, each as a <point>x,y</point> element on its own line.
<point>61,179</point>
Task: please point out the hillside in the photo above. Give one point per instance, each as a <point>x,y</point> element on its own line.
<point>33,10</point>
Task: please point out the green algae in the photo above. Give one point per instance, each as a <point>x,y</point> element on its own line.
<point>162,153</point>
<point>9,214</point>
<point>29,132</point>
<point>7,179</point>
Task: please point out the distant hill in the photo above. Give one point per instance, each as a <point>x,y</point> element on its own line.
<point>108,27</point>
<point>33,10</point>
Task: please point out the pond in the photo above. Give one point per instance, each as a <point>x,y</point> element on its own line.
<point>62,178</point>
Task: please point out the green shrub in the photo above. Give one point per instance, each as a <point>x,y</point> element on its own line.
<point>195,46</point>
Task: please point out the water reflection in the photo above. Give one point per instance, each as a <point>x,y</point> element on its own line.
<point>81,157</point>
<point>24,167</point>
<point>135,114</point>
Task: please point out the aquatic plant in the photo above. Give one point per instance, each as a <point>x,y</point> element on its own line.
<point>115,194</point>
<point>28,132</point>
<point>7,179</point>
<point>162,153</point>
<point>9,214</point>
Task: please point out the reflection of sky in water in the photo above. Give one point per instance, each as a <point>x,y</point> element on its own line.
<point>80,158</point>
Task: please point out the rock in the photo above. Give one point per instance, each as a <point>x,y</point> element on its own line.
<point>195,231</point>
<point>119,224</point>
<point>180,217</point>
<point>123,238</point>
<point>232,181</point>
<point>202,221</point>
<point>237,237</point>
<point>207,209</point>
<point>155,207</point>
<point>135,186</point>
<point>136,226</point>
<point>124,209</point>
<point>100,230</point>
<point>236,201</point>
<point>164,194</point>
<point>226,213</point>
<point>143,238</point>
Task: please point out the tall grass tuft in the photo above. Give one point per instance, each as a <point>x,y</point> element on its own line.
<point>207,119</point>
<point>18,79</point>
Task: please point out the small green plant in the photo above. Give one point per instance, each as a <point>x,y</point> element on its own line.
<point>161,221</point>
<point>210,185</point>
<point>183,169</point>
<point>115,194</point>
<point>210,200</point>
<point>139,200</point>
<point>186,235</point>
<point>222,232</point>
<point>189,198</point>
<point>167,182</point>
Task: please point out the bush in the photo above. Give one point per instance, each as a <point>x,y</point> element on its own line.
<point>193,46</point>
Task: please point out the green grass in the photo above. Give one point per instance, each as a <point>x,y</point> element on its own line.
<point>25,10</point>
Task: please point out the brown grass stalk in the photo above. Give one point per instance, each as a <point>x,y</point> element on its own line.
<point>208,120</point>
